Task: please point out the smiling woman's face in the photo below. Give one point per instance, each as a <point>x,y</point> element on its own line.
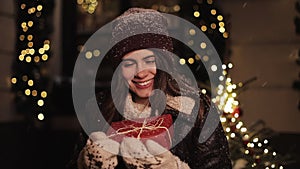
<point>139,70</point>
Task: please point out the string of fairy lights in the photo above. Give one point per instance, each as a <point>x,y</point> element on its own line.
<point>33,52</point>
<point>254,147</point>
<point>88,6</point>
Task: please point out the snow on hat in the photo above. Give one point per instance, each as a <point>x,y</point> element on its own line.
<point>139,28</point>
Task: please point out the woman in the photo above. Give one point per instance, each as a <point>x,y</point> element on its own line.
<point>138,59</point>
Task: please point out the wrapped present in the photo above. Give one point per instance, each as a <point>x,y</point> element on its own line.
<point>158,129</point>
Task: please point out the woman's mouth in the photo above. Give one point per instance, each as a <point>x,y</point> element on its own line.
<point>143,85</point>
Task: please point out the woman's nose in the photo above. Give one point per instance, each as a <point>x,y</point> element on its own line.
<point>141,74</point>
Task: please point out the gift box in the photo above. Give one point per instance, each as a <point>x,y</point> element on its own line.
<point>158,129</point>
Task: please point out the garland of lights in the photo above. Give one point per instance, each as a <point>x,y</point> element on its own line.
<point>254,149</point>
<point>33,48</point>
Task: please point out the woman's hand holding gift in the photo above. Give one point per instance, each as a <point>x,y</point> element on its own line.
<point>151,155</point>
<point>99,152</point>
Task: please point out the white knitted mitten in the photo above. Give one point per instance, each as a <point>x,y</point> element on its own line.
<point>100,152</point>
<point>148,156</point>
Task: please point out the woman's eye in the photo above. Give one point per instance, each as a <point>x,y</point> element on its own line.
<point>128,64</point>
<point>150,61</point>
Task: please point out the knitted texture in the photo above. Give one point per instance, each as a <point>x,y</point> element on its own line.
<point>139,28</point>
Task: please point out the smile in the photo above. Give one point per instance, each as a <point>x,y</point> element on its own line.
<point>145,84</point>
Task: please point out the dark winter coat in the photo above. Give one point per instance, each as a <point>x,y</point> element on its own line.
<point>212,154</point>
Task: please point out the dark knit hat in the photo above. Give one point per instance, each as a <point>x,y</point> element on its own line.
<point>139,28</point>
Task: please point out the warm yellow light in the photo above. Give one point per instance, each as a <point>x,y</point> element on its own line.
<point>176,8</point>
<point>31,51</point>
<point>196,14</point>
<point>40,102</point>
<point>30,82</point>
<point>43,94</point>
<point>255,140</point>
<point>221,24</point>
<point>222,29</point>
<point>243,129</point>
<point>23,25</point>
<point>205,58</point>
<point>13,80</point>
<point>203,28</point>
<point>30,23</point>
<point>227,129</point>
<point>36,59</point>
<point>25,29</point>
<point>31,10</point>
<point>28,59</point>
<point>213,26</point>
<point>88,55</point>
<point>41,116</point>
<point>96,53</point>
<point>203,91</point>
<point>214,68</point>
<point>27,92</point>
<point>225,35</point>
<point>21,57</point>
<point>266,141</point>
<point>39,7</point>
<point>47,42</point>
<point>223,119</point>
<point>197,57</point>
<point>239,125</point>
<point>80,2</point>
<point>209,1</point>
<point>233,120</point>
<point>191,60</point>
<point>29,37</point>
<point>192,32</point>
<point>41,51</point>
<point>23,6</point>
<point>232,135</point>
<point>34,93</point>
<point>266,151</point>
<point>44,57</point>
<point>203,45</point>
<point>224,72</point>
<point>46,46</point>
<point>213,12</point>
<point>247,152</point>
<point>182,61</point>
<point>30,44</point>
<point>246,137</point>
<point>22,37</point>
<point>220,17</point>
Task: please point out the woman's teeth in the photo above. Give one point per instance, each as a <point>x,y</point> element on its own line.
<point>144,83</point>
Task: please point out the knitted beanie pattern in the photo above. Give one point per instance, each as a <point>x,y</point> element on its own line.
<point>139,28</point>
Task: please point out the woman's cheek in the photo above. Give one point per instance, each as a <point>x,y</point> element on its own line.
<point>128,74</point>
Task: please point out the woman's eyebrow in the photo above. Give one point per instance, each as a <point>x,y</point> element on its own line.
<point>150,56</point>
<point>129,59</point>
